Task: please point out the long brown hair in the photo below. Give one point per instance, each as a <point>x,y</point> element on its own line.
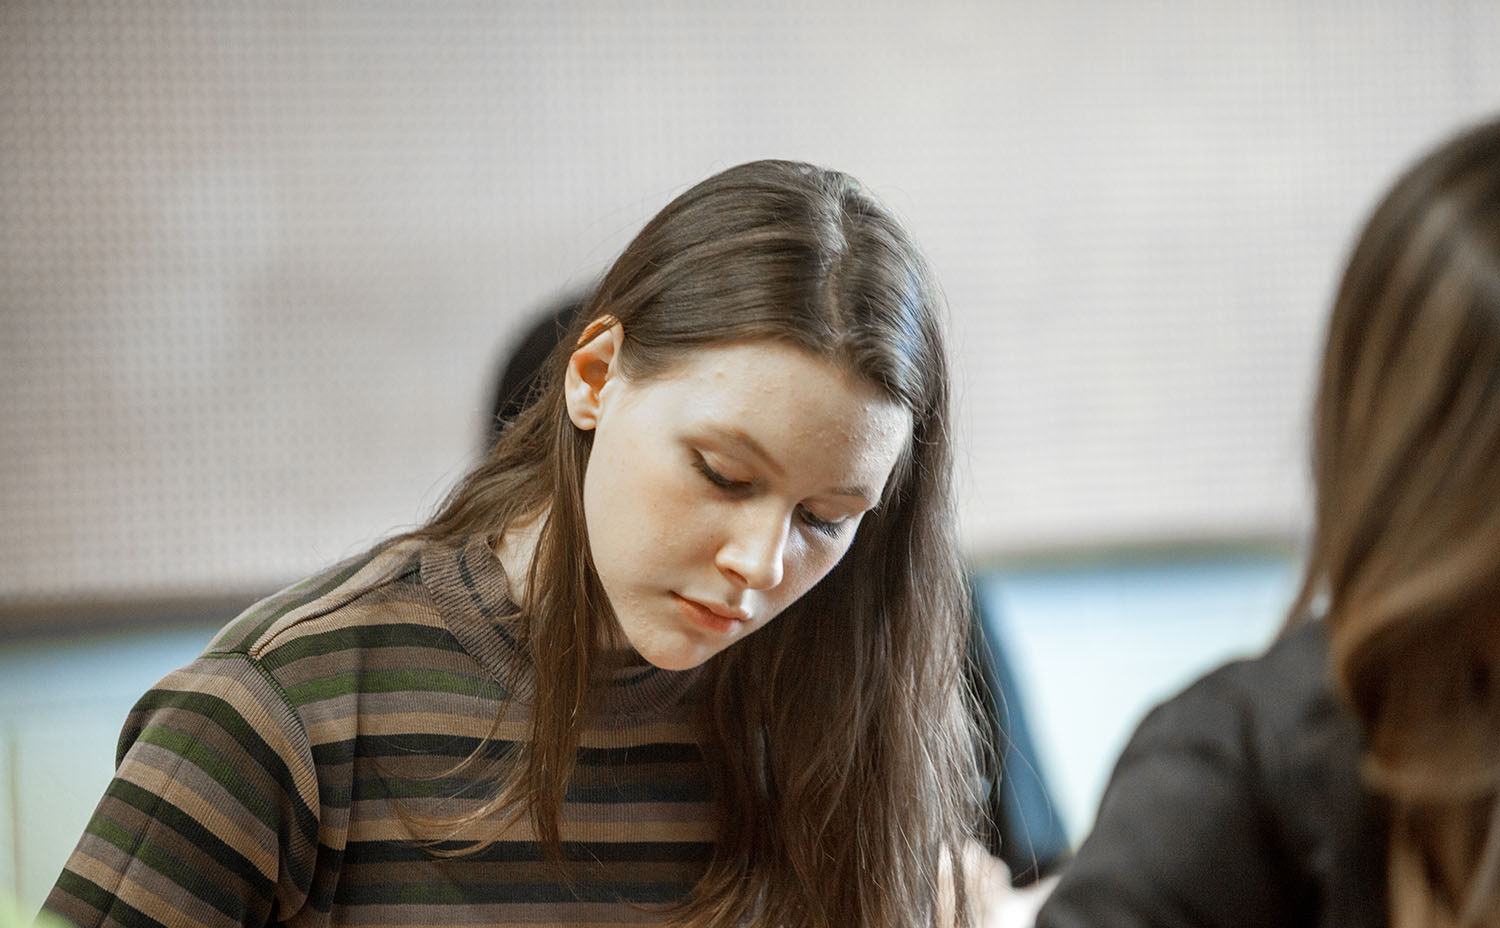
<point>842,814</point>
<point>1405,556</point>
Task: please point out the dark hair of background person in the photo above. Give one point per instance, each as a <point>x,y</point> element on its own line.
<point>1405,554</point>
<point>840,740</point>
<point>516,387</point>
<point>1023,828</point>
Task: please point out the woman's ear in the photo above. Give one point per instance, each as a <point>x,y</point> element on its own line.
<point>590,367</point>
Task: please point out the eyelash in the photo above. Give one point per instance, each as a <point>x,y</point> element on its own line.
<point>831,529</point>
<point>718,479</point>
<point>822,526</point>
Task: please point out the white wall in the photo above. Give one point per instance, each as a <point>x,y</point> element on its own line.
<point>257,260</point>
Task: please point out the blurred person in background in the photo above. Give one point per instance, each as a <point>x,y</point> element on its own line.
<point>1351,775</point>
<point>687,646</point>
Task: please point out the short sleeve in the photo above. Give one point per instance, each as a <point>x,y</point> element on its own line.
<point>1183,836</point>
<point>211,818</point>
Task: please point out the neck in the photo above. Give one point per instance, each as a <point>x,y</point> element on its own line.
<point>516,550</point>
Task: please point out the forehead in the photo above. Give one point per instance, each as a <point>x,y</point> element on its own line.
<point>804,410</point>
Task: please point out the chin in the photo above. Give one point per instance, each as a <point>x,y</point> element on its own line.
<point>677,660</point>
<point>673,651</point>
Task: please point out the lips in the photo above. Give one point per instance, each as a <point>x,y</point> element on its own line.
<point>714,617</point>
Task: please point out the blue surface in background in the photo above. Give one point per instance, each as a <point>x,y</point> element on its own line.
<point>1095,647</point>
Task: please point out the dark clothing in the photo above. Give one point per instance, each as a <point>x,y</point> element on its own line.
<point>1237,803</point>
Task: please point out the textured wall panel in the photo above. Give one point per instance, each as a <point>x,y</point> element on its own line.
<point>258,260</point>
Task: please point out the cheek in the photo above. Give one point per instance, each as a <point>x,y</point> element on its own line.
<point>617,506</point>
<point>650,502</point>
<point>809,563</point>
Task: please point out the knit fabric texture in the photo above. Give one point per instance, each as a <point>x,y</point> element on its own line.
<point>281,777</point>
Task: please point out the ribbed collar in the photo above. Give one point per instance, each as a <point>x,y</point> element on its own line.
<point>468,584</point>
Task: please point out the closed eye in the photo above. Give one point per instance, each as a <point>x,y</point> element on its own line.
<point>718,479</point>
<point>831,529</point>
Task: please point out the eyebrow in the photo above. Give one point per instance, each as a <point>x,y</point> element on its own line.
<point>745,442</point>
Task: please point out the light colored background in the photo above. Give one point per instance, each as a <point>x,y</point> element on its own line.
<point>258,262</point>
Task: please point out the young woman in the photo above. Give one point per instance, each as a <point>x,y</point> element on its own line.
<point>1351,776</point>
<point>685,648</point>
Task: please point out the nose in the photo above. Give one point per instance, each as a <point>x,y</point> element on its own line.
<point>753,553</point>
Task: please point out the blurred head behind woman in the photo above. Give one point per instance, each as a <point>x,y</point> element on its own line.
<point>838,736</point>
<point>1405,557</point>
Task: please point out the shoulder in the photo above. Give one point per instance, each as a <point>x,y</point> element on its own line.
<point>347,595</point>
<point>377,635</point>
<point>1275,726</point>
<point>1236,802</point>
<point>1248,705</point>
<point>215,802</point>
<point>369,622</point>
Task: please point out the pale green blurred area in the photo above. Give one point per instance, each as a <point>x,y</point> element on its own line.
<point>13,915</point>
<point>62,703</point>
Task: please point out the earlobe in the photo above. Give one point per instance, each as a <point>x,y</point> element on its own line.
<point>590,367</point>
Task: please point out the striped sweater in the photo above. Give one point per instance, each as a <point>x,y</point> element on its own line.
<point>275,779</point>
